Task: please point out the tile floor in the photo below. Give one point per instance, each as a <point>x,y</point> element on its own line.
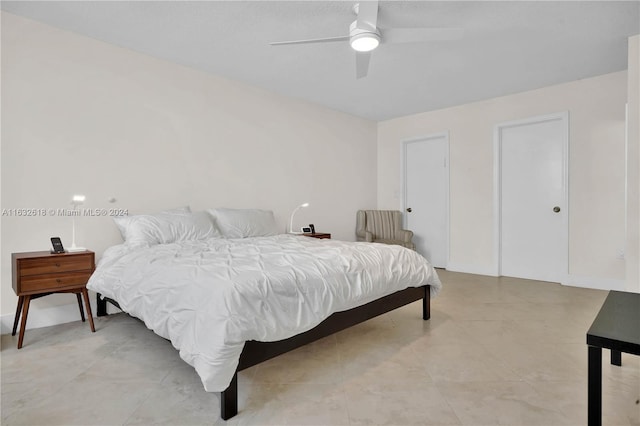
<point>496,351</point>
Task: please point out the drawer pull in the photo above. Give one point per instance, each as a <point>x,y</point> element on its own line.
<point>58,280</point>
<point>58,265</point>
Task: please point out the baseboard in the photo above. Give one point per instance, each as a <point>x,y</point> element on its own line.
<point>570,280</point>
<point>595,283</point>
<point>45,317</point>
<point>471,269</point>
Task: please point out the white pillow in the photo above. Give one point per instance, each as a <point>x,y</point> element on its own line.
<point>166,227</point>
<point>244,223</point>
<point>124,222</point>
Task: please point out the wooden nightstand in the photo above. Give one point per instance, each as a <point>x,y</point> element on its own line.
<point>40,273</point>
<point>320,235</point>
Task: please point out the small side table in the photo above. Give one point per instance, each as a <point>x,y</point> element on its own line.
<point>615,328</point>
<point>40,273</point>
<point>320,235</point>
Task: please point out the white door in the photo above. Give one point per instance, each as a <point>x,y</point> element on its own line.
<point>532,194</point>
<point>426,196</point>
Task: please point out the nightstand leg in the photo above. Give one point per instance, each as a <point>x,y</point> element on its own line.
<point>85,295</point>
<point>80,306</point>
<point>18,310</point>
<point>23,323</point>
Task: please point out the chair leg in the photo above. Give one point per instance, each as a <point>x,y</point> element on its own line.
<point>80,306</point>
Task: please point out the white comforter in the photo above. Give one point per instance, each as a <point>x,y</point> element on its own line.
<point>209,297</point>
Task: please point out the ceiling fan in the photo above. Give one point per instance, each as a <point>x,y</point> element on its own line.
<point>365,35</point>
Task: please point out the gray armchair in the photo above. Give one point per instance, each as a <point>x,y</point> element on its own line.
<point>382,226</point>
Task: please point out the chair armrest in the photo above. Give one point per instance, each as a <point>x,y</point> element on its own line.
<point>404,235</point>
<point>368,236</point>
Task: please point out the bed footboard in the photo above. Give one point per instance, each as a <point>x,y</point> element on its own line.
<point>256,352</point>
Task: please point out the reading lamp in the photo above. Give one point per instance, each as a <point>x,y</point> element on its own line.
<point>76,201</point>
<point>291,231</point>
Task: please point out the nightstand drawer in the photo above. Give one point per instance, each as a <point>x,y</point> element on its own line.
<point>54,265</point>
<point>34,284</point>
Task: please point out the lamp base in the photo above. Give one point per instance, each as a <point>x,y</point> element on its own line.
<point>75,249</point>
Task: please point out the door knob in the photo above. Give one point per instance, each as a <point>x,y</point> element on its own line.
<point>556,209</point>
<point>409,209</point>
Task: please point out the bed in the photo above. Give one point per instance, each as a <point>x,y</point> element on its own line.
<point>229,291</point>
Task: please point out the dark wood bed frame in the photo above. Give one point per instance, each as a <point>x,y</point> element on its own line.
<point>256,352</point>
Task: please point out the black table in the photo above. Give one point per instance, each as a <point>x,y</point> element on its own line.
<point>617,327</point>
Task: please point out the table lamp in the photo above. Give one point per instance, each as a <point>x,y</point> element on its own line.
<point>76,201</point>
<point>291,231</point>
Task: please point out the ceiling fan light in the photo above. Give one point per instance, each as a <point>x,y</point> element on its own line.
<point>364,42</point>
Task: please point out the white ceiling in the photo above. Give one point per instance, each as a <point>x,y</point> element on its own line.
<point>508,47</point>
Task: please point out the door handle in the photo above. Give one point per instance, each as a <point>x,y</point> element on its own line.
<point>556,209</point>
<point>409,209</point>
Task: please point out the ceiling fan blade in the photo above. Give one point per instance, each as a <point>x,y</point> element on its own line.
<point>362,63</point>
<point>312,40</point>
<point>414,35</point>
<point>367,15</point>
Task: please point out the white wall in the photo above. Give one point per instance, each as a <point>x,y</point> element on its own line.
<point>596,177</point>
<point>633,167</point>
<point>82,116</point>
